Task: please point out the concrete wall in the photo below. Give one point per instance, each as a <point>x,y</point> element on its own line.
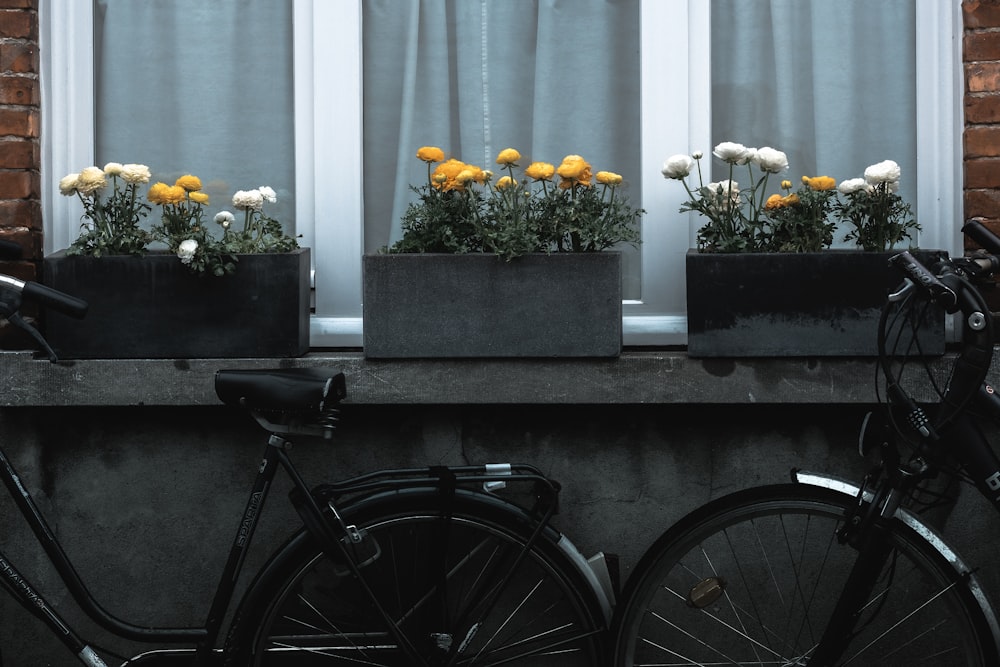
<point>146,500</point>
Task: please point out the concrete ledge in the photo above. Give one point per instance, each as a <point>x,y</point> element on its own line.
<point>637,377</point>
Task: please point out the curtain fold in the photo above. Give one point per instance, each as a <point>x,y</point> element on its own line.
<point>833,85</point>
<point>203,88</point>
<point>548,77</point>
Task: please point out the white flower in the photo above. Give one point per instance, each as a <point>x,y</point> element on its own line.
<point>731,152</point>
<point>852,185</point>
<point>67,185</point>
<point>268,194</point>
<point>113,169</point>
<point>697,155</point>
<point>186,250</point>
<point>225,218</point>
<point>751,156</point>
<point>248,199</point>
<point>91,180</point>
<point>771,160</point>
<point>725,195</point>
<point>677,166</point>
<point>135,173</point>
<point>886,171</point>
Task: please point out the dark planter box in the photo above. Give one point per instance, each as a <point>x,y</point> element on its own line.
<point>439,305</point>
<point>154,307</point>
<point>794,304</point>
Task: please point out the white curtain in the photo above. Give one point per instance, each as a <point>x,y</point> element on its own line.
<point>199,87</point>
<point>830,83</point>
<point>548,77</point>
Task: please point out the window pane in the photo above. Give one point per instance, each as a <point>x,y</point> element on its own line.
<point>203,88</point>
<point>548,78</point>
<point>833,85</point>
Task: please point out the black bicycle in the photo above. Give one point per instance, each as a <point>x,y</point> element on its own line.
<point>435,566</point>
<point>823,571</point>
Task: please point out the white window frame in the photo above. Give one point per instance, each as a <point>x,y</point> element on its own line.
<point>675,57</point>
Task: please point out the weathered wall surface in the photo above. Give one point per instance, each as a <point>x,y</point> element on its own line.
<point>146,500</point>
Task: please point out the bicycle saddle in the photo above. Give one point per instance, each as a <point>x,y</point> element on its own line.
<point>281,390</point>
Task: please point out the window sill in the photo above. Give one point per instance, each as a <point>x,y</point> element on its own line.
<point>637,377</point>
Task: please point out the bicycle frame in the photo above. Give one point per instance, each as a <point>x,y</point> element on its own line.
<point>308,503</point>
<point>203,637</point>
<point>973,451</point>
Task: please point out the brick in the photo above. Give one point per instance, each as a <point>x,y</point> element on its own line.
<point>19,154</point>
<point>982,108</point>
<point>18,24</point>
<point>30,241</point>
<point>982,173</point>
<point>19,122</point>
<point>982,77</point>
<point>19,184</point>
<point>19,4</point>
<point>19,90</point>
<point>982,203</point>
<point>981,13</point>
<point>22,213</point>
<point>19,57</point>
<point>982,45</point>
<point>982,141</point>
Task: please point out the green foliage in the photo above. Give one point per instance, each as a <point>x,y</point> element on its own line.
<point>461,210</point>
<point>878,216</point>
<point>801,222</point>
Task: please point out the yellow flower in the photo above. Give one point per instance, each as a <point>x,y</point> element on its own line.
<point>508,157</point>
<point>199,197</point>
<point>820,182</point>
<point>157,193</point>
<point>786,185</point>
<point>445,173</point>
<point>189,183</point>
<point>430,154</point>
<point>609,178</point>
<point>161,193</point>
<point>574,170</point>
<point>540,171</point>
<point>506,182</point>
<point>773,202</point>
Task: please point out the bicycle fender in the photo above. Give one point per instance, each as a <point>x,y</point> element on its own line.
<point>928,533</point>
<point>599,581</point>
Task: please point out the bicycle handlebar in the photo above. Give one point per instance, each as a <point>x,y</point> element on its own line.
<point>948,284</point>
<point>54,299</point>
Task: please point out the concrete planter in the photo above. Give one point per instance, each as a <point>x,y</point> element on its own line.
<point>824,304</point>
<point>439,305</point>
<point>154,307</point>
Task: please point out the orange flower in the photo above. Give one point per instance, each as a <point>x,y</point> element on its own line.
<point>540,171</point>
<point>608,178</point>
<point>189,183</point>
<point>820,182</point>
<point>508,157</point>
<point>430,154</point>
<point>574,170</point>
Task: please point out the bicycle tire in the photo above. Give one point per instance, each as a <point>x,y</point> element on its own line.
<point>783,569</point>
<point>546,615</point>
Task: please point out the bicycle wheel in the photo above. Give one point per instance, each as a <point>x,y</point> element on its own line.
<point>751,578</point>
<point>441,581</point>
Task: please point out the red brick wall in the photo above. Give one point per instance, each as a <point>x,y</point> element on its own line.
<point>20,178</point>
<point>981,56</point>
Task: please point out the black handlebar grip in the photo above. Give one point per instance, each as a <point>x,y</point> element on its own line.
<point>925,279</point>
<point>978,232</point>
<point>9,250</point>
<point>55,299</point>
